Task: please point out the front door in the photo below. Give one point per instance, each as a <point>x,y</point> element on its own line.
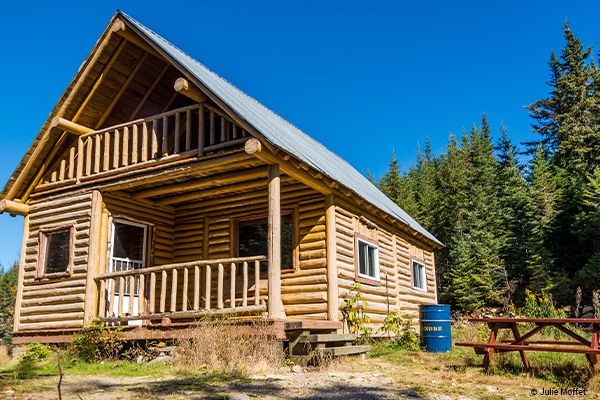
<point>128,252</point>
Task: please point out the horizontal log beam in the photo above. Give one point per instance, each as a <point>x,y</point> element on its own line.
<point>13,208</point>
<point>70,126</point>
<point>254,147</point>
<point>184,87</point>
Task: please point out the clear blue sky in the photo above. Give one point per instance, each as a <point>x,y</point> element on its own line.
<point>362,77</point>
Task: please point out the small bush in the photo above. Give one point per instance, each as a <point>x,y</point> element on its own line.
<point>353,314</point>
<point>401,328</point>
<point>34,353</point>
<point>97,343</point>
<point>230,347</point>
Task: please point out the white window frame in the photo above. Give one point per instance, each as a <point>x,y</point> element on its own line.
<point>422,275</point>
<point>360,241</point>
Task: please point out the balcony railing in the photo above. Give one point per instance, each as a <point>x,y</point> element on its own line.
<point>185,132</point>
<point>183,290</point>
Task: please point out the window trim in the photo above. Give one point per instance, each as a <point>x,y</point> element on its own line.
<point>42,253</point>
<point>412,274</point>
<point>362,278</point>
<point>125,221</point>
<point>292,213</point>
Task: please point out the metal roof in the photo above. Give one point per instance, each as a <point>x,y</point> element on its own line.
<point>283,134</point>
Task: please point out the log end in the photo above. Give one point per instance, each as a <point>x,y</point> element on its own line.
<point>252,146</point>
<point>181,84</point>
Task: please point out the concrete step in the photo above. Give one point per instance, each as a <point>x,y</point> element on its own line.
<point>328,337</point>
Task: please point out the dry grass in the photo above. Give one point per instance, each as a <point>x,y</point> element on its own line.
<point>230,347</point>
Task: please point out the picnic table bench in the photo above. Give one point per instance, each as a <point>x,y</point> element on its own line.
<point>523,342</point>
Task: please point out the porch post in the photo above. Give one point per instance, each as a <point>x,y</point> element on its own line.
<point>91,289</point>
<point>332,271</point>
<point>274,244</point>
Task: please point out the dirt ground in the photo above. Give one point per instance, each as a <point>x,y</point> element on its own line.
<point>353,378</point>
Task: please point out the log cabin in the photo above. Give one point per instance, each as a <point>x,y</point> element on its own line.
<point>157,193</point>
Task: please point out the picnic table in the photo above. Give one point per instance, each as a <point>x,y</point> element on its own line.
<point>523,342</point>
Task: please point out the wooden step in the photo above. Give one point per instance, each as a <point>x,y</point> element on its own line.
<point>348,350</point>
<point>328,337</point>
<point>310,325</point>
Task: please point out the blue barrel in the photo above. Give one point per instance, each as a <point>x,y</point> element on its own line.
<point>436,331</point>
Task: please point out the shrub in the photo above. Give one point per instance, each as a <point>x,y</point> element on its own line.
<point>97,343</point>
<point>34,353</point>
<point>541,306</point>
<point>230,347</point>
<point>401,328</point>
<point>353,314</point>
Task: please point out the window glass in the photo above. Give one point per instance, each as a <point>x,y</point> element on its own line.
<point>128,241</point>
<point>253,240</point>
<point>368,260</point>
<point>57,252</point>
<point>418,275</point>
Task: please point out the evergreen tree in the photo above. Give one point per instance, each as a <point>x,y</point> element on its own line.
<point>8,290</point>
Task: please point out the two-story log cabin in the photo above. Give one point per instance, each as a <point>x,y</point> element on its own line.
<point>157,192</point>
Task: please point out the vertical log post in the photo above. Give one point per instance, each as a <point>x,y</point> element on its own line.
<point>94,256</point>
<point>332,273</point>
<point>201,131</point>
<point>274,305</point>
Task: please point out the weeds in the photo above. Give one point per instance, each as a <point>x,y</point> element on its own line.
<point>229,347</point>
<point>400,326</point>
<point>97,343</point>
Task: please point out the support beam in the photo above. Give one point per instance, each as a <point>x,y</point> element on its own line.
<point>274,306</point>
<point>13,208</point>
<point>94,255</point>
<point>254,147</point>
<point>69,126</point>
<point>184,87</point>
<point>332,272</point>
<point>122,30</point>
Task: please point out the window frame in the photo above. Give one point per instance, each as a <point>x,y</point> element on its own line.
<point>42,252</point>
<point>414,261</point>
<point>124,221</point>
<point>292,213</point>
<point>362,278</point>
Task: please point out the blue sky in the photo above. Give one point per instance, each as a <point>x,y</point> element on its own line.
<point>364,78</point>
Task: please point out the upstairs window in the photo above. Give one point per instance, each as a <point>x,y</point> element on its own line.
<point>55,252</point>
<point>368,260</point>
<point>419,276</point>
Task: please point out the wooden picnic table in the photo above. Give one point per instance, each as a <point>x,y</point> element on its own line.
<point>523,342</point>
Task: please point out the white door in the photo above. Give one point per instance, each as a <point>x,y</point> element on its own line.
<point>128,252</point>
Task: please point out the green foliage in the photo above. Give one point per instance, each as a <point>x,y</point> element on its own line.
<point>8,290</point>
<point>34,353</point>
<point>509,227</point>
<point>404,335</point>
<point>541,306</point>
<point>353,314</point>
<point>97,343</point>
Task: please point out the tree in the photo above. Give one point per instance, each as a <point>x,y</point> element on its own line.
<point>8,291</point>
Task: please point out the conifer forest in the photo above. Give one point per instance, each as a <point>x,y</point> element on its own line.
<point>516,216</point>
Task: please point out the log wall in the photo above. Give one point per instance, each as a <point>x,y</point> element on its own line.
<point>55,303</point>
<point>304,289</point>
<point>394,291</point>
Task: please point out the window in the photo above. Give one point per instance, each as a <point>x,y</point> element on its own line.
<point>252,240</point>
<point>368,260</point>
<point>419,278</point>
<point>128,249</point>
<point>55,252</point>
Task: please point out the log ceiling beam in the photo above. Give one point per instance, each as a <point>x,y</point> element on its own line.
<point>135,113</point>
<point>184,87</point>
<point>13,208</point>
<point>69,126</point>
<point>254,147</point>
<point>63,136</point>
<point>122,30</point>
<point>45,136</point>
<point>204,183</point>
<point>122,90</point>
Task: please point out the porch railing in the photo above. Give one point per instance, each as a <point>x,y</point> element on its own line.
<point>183,290</point>
<point>180,133</point>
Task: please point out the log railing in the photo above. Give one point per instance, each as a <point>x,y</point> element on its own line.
<point>180,133</point>
<point>183,290</point>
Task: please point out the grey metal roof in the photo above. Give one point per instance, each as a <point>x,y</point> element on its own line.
<point>283,134</point>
